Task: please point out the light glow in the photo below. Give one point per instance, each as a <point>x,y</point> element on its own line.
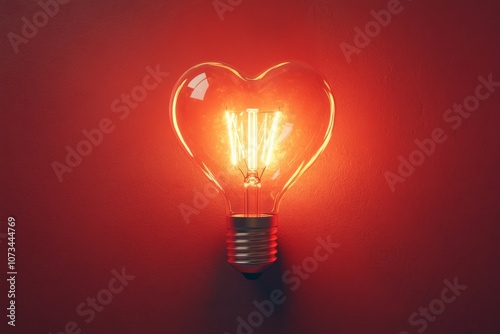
<point>252,143</point>
<point>270,145</point>
<point>253,137</point>
<point>230,122</point>
<point>294,111</point>
<point>258,138</point>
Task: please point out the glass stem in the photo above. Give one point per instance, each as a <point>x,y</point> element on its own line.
<point>252,200</point>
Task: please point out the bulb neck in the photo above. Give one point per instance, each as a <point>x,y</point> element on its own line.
<point>252,243</point>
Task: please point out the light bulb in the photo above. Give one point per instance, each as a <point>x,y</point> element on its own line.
<point>253,138</point>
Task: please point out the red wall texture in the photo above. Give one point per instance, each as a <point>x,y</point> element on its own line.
<point>407,191</point>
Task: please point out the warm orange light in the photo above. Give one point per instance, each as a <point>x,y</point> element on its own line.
<point>253,137</point>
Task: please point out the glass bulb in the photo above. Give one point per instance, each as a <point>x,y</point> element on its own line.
<point>253,138</point>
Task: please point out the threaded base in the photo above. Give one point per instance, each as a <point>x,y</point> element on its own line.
<point>252,242</point>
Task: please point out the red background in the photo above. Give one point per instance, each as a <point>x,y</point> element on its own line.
<point>120,207</point>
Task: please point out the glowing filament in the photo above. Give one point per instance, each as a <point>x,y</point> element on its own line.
<point>260,138</point>
<point>264,146</point>
<point>252,142</point>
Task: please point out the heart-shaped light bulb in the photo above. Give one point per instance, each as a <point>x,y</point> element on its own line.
<point>252,137</point>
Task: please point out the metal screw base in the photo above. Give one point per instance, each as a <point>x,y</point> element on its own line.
<point>251,243</point>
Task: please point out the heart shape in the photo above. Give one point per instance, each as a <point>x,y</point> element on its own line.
<point>268,129</point>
